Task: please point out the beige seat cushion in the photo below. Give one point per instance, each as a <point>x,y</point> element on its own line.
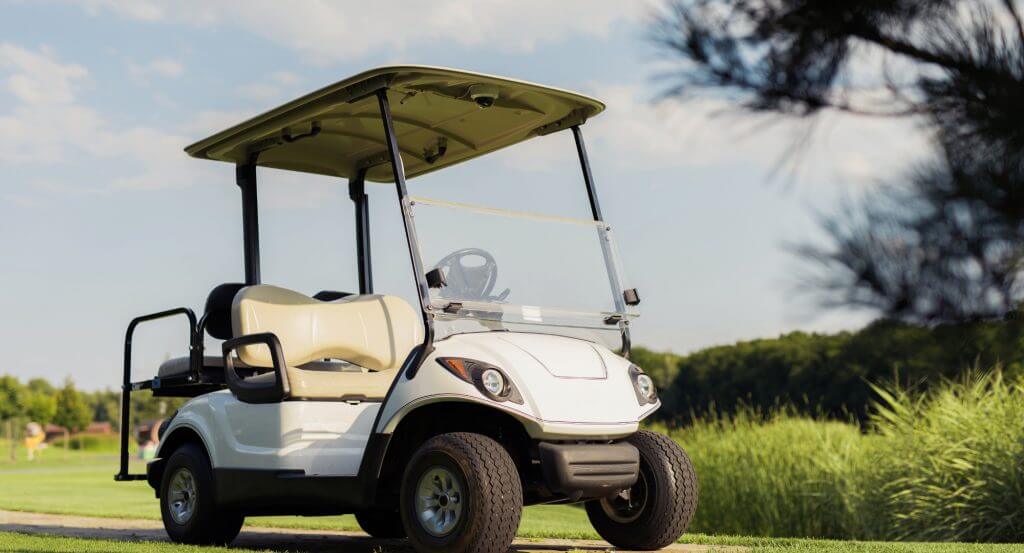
<point>313,384</point>
<point>372,331</point>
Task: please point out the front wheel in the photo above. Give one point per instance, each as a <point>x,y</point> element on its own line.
<point>461,493</point>
<point>659,507</point>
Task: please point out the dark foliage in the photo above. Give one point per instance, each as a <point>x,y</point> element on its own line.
<point>830,374</point>
<point>945,242</point>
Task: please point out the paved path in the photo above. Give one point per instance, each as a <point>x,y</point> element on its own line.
<point>284,539</point>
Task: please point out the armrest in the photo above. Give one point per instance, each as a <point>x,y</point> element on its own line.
<point>258,388</point>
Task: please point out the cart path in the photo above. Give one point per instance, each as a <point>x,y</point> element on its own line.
<point>281,539</point>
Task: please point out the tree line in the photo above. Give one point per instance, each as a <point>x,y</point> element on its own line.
<point>828,374</point>
<point>38,400</point>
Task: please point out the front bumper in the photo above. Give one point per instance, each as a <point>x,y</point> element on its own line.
<point>588,470</point>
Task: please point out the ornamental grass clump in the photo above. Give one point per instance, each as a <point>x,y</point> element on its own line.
<point>951,465</point>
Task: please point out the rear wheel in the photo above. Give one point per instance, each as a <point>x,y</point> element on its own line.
<point>659,507</point>
<point>461,493</point>
<point>381,523</point>
<point>187,502</point>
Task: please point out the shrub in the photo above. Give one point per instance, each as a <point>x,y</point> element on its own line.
<point>953,465</point>
<point>776,475</point>
<point>945,466</point>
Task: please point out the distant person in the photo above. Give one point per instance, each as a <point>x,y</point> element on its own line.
<point>34,439</point>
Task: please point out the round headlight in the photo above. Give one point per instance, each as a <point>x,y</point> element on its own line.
<point>493,382</point>
<point>645,386</point>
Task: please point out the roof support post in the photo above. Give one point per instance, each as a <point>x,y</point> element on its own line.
<point>357,192</point>
<point>245,177</point>
<point>588,177</point>
<point>595,210</point>
<point>398,169</point>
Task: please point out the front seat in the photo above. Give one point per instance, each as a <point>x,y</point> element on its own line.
<point>375,332</point>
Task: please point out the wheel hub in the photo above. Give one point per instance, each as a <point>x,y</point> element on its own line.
<point>627,505</point>
<point>438,501</point>
<point>181,496</point>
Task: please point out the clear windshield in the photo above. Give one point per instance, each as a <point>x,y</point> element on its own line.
<point>514,267</point>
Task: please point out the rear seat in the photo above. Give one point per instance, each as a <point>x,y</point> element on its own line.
<point>181,365</point>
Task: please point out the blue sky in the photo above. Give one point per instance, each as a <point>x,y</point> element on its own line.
<point>103,217</point>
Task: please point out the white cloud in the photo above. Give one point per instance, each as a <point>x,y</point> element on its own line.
<point>330,31</point>
<point>636,132</point>
<point>36,77</point>
<point>207,122</point>
<point>163,67</point>
<point>46,123</point>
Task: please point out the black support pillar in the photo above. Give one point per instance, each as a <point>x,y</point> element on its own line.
<point>245,177</point>
<point>357,191</point>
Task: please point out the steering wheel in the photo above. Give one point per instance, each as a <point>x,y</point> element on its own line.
<point>473,282</point>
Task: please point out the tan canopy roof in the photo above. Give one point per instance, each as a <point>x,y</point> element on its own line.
<point>337,130</point>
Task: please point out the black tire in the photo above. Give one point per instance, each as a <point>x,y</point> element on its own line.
<point>490,498</point>
<point>205,524</point>
<point>381,523</point>
<point>665,498</point>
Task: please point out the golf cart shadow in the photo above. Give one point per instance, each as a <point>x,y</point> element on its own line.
<point>314,543</point>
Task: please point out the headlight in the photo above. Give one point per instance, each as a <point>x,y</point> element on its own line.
<point>643,385</point>
<point>490,380</point>
<point>493,382</point>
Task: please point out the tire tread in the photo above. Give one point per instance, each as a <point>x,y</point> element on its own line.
<point>674,508</point>
<point>498,498</point>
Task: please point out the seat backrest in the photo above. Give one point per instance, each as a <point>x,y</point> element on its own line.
<point>218,310</point>
<point>372,331</point>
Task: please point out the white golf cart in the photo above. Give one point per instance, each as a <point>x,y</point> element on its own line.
<point>439,423</point>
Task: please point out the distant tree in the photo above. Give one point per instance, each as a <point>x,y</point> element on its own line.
<point>945,241</point>
<point>73,412</point>
<point>41,386</point>
<point>39,407</point>
<point>831,374</point>
<point>11,392</point>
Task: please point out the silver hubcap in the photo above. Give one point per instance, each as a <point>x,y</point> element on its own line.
<point>438,501</point>
<point>627,505</point>
<point>181,496</point>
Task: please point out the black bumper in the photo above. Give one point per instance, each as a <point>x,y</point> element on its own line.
<point>589,470</point>
<point>155,474</point>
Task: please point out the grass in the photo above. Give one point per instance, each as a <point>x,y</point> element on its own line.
<point>946,467</point>
<point>23,543</point>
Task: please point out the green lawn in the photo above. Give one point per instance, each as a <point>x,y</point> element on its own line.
<point>81,483</point>
<point>47,544</point>
<point>22,543</point>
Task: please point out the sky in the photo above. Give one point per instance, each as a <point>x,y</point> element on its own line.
<point>103,217</point>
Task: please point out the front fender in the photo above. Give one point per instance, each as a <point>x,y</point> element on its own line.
<point>572,389</point>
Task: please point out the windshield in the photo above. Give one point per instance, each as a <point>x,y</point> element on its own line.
<point>515,267</point>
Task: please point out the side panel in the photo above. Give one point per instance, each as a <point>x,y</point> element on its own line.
<point>320,438</point>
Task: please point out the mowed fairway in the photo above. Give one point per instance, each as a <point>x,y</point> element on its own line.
<point>82,484</point>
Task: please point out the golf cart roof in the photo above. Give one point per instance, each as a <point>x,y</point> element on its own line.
<point>337,130</point>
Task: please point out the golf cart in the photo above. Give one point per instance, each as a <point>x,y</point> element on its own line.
<point>436,423</point>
